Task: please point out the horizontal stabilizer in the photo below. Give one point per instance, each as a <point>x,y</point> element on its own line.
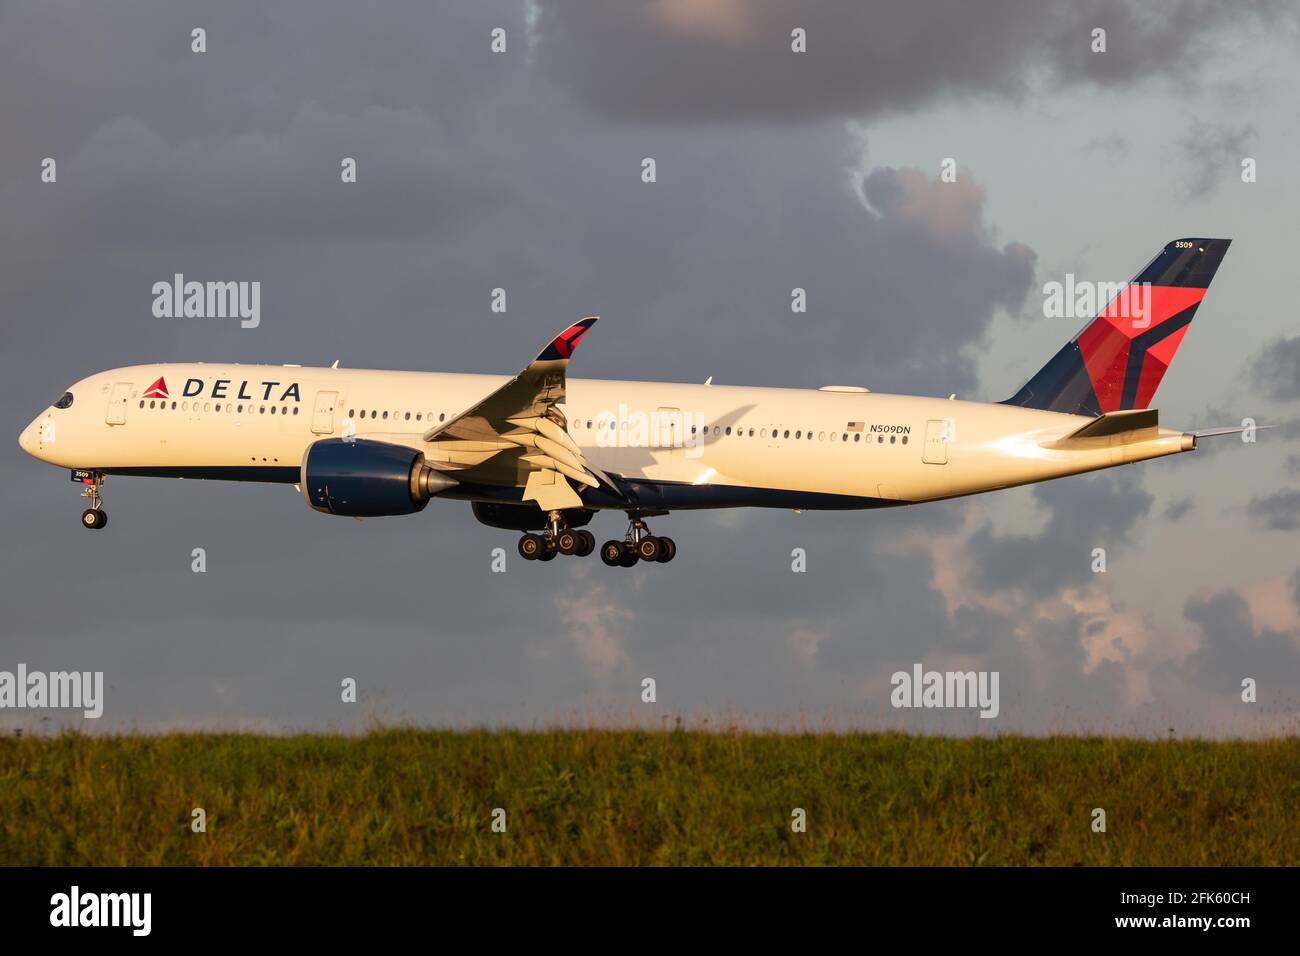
<point>1137,424</point>
<point>1112,423</point>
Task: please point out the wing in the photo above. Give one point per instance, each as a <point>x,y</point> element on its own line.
<point>519,435</point>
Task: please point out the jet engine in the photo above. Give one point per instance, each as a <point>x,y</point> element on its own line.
<point>357,478</point>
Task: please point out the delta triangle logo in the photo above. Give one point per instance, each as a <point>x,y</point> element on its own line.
<point>157,390</point>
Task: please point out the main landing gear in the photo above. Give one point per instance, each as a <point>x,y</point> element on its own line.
<point>637,545</point>
<point>94,517</point>
<point>558,538</point>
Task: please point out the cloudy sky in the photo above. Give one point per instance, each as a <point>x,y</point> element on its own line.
<point>775,170</point>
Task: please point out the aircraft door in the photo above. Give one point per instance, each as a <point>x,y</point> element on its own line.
<point>939,433</point>
<point>322,417</point>
<point>116,414</point>
<point>667,431</point>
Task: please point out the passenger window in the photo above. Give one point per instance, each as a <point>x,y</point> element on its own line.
<point>904,439</point>
<point>408,416</point>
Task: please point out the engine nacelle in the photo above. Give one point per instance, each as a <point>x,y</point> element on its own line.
<point>527,517</point>
<point>357,478</point>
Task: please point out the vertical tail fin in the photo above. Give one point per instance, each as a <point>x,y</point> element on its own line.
<point>1119,358</point>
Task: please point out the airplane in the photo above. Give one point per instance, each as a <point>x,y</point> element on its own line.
<point>540,453</point>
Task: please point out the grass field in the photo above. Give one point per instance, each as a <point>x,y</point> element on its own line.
<point>635,797</point>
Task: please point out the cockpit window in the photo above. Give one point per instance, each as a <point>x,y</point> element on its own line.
<point>65,401</point>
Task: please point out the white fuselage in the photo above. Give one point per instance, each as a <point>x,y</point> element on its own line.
<point>762,446</point>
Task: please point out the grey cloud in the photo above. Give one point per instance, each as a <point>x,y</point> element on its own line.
<point>1215,152</point>
<point>1232,648</point>
<point>1085,512</point>
<point>61,79</point>
<point>1276,370</point>
<point>1179,508</point>
<point>1278,512</point>
<point>731,61</point>
<point>128,181</point>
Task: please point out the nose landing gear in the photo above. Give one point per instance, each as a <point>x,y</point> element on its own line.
<point>638,545</point>
<point>94,517</point>
<point>558,538</point>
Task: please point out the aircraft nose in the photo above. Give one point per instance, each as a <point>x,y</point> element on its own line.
<point>28,438</point>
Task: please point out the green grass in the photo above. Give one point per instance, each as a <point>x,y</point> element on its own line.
<point>637,797</point>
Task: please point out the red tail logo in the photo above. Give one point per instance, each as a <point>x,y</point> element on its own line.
<point>157,390</point>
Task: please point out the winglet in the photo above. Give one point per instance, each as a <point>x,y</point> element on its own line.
<point>562,346</point>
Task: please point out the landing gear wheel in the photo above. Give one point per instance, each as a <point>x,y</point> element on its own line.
<point>548,555</point>
<point>587,545</point>
<point>611,552</point>
<point>94,517</point>
<point>568,542</point>
<point>667,550</point>
<point>628,558</point>
<point>648,549</point>
<point>532,547</point>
